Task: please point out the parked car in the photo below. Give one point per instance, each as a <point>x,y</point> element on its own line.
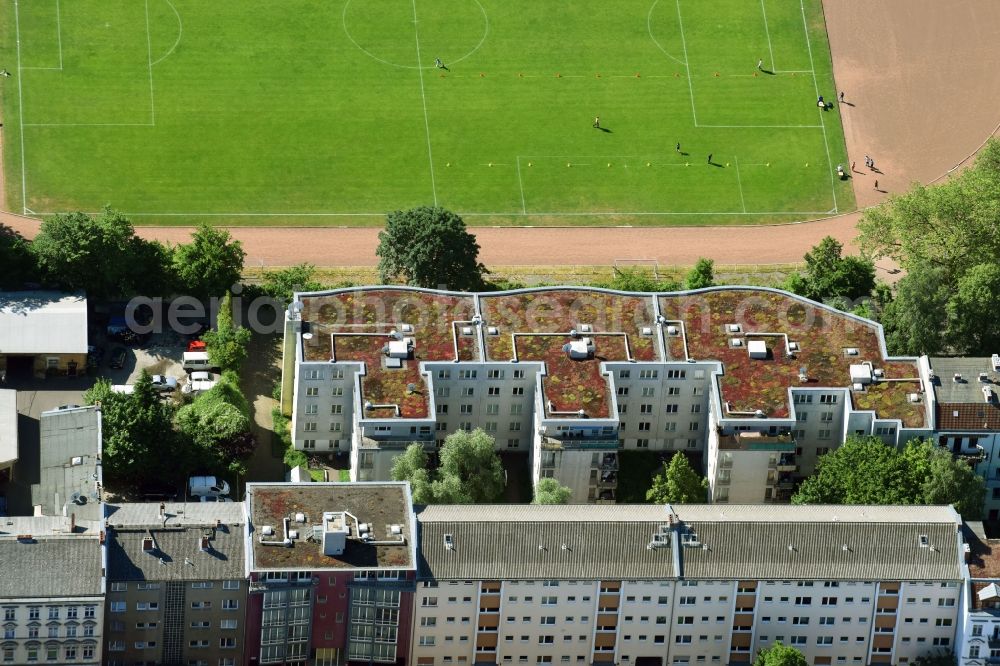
<point>118,357</point>
<point>199,381</point>
<point>196,346</point>
<point>207,486</point>
<point>94,356</point>
<point>164,383</point>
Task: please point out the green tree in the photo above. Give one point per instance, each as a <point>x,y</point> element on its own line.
<point>780,655</point>
<point>915,321</point>
<point>139,442</point>
<point>550,491</point>
<point>678,484</point>
<point>282,284</point>
<point>829,274</point>
<point>864,470</point>
<point>411,465</point>
<point>17,264</point>
<point>701,276</point>
<point>101,255</point>
<point>226,344</point>
<point>210,264</point>
<point>470,471</point>
<point>972,311</point>
<point>429,247</point>
<point>950,226</point>
<point>942,658</point>
<point>217,423</point>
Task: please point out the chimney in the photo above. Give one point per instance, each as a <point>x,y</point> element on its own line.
<point>72,523</point>
<point>204,544</point>
<point>163,510</point>
<point>147,544</point>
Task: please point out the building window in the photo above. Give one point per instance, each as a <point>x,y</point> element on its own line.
<point>227,643</point>
<point>117,607</point>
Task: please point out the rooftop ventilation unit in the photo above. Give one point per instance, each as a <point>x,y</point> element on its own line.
<point>736,342</point>
<point>878,373</point>
<point>449,542</point>
<point>861,373</point>
<point>913,397</point>
<point>987,395</point>
<point>851,351</point>
<point>995,361</point>
<point>203,545</point>
<point>984,378</point>
<point>757,349</point>
<point>407,328</point>
<point>492,330</point>
<point>300,518</point>
<point>76,460</point>
<point>793,346</point>
<point>267,530</point>
<point>647,330</point>
<point>334,533</point>
<point>733,328</point>
<point>396,530</point>
<point>466,330</point>
<point>586,328</point>
<point>673,330</point>
<point>803,374</point>
<point>147,544</point>
<point>957,378</point>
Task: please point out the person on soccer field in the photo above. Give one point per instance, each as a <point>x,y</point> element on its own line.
<point>597,122</point>
<point>760,65</point>
<point>438,63</point>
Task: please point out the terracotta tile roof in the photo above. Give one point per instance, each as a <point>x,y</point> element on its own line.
<point>955,416</point>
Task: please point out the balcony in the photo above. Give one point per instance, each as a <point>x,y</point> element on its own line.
<point>569,444</point>
<point>609,462</point>
<point>608,480</point>
<point>395,444</point>
<point>756,441</point>
<point>785,463</point>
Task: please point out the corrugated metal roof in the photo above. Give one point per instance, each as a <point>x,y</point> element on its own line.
<point>43,322</point>
<point>70,448</point>
<point>529,549</point>
<point>67,566</point>
<point>8,426</point>
<point>815,513</point>
<point>816,551</point>
<point>541,512</point>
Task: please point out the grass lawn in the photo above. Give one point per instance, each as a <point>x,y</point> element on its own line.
<point>310,112</point>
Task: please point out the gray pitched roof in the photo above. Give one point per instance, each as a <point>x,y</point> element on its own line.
<point>51,566</point>
<point>733,542</point>
<point>539,542</point>
<point>177,553</point>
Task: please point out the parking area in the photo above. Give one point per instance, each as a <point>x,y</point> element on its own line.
<point>161,354</point>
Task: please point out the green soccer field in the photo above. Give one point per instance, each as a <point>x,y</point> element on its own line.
<point>332,112</point>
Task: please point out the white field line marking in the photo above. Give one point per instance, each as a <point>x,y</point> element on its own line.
<point>423,99</point>
<point>89,125</point>
<point>649,29</point>
<point>464,214</point>
<point>822,122</point>
<point>767,31</point>
<point>149,63</point>
<point>59,33</point>
<point>520,183</point>
<point>180,33</point>
<point>59,40</point>
<point>739,181</point>
<point>687,62</point>
<point>766,126</point>
<point>20,107</point>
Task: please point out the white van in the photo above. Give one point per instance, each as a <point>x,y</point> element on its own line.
<point>207,486</point>
<point>197,360</point>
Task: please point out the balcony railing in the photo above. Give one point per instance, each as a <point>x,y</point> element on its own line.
<point>567,444</point>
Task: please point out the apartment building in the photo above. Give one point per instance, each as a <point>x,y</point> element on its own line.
<point>688,584</point>
<point>70,470</point>
<point>757,382</point>
<point>966,394</point>
<point>177,592</point>
<point>331,568</point>
<point>979,633</point>
<point>51,590</point>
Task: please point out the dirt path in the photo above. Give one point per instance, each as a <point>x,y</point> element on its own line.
<point>923,81</point>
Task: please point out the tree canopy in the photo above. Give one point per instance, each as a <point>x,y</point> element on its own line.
<point>780,655</point>
<point>864,470</point>
<point>829,274</point>
<point>17,264</point>
<point>678,483</point>
<point>210,264</point>
<point>701,275</point>
<point>139,441</point>
<point>226,344</point>
<point>101,255</point>
<point>217,423</point>
<point>282,284</point>
<point>945,237</point>
<point>550,491</point>
<point>429,247</point>
<point>470,471</point>
<point>633,279</point>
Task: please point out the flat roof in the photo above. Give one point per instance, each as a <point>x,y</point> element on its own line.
<point>70,463</point>
<point>379,504</point>
<point>827,341</point>
<point>961,404</point>
<point>43,322</point>
<point>8,426</point>
<point>356,325</point>
<point>537,325</point>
